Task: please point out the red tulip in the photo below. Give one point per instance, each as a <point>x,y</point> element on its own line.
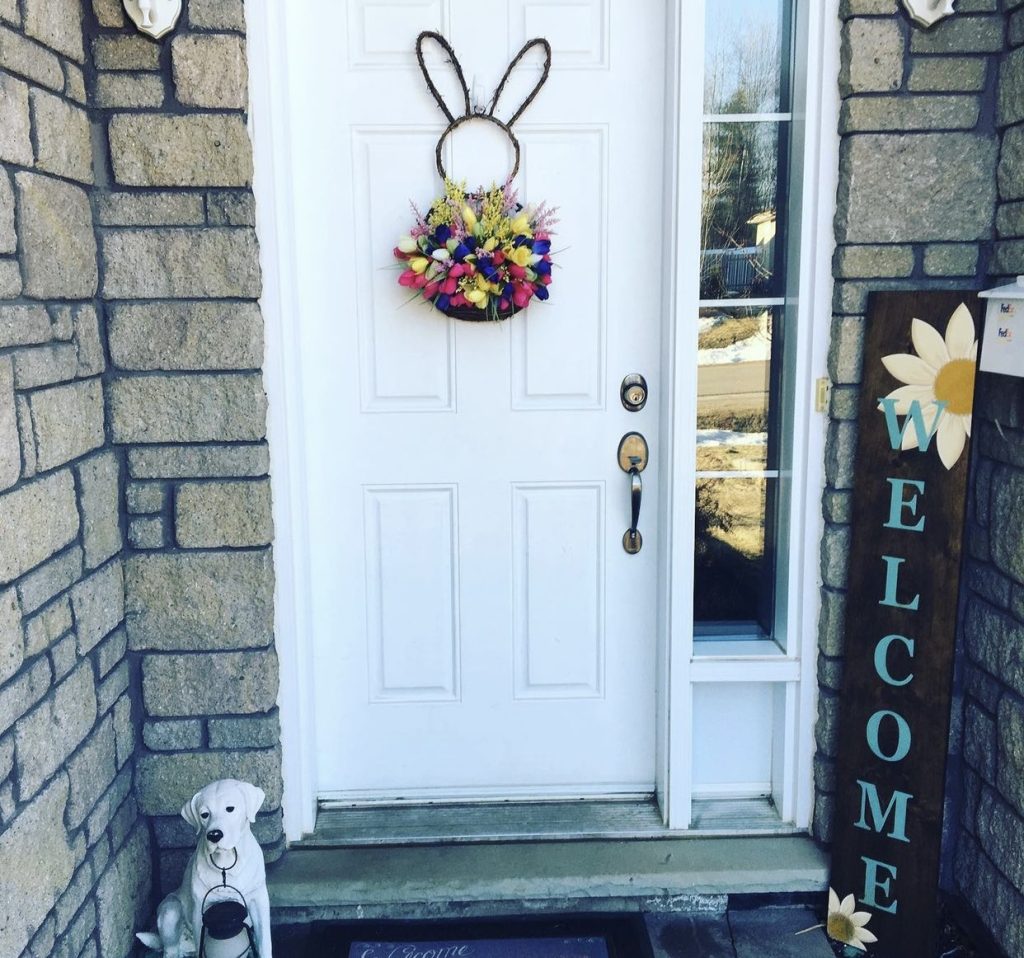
<point>516,272</point>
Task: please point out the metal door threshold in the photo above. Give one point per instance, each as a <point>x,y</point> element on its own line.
<point>538,821</point>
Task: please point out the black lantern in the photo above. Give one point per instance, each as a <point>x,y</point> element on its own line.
<point>226,931</point>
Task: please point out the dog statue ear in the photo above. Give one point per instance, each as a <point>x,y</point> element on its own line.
<point>190,812</point>
<point>254,798</point>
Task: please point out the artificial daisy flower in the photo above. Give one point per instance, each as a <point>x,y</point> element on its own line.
<point>846,925</point>
<point>942,370</point>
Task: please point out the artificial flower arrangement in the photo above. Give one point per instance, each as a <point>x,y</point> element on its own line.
<point>478,256</point>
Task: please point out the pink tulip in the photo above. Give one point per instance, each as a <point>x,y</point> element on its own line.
<point>458,300</point>
<point>419,281</point>
<point>430,290</point>
<point>503,303</point>
<point>449,286</point>
<point>516,272</point>
<point>457,270</point>
<point>406,279</point>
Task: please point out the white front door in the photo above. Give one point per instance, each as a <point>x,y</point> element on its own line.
<point>479,630</point>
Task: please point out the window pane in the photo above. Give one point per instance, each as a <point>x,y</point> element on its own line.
<point>734,554</point>
<point>741,239</point>
<point>746,57</point>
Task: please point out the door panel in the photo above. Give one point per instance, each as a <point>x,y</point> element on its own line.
<point>478,629</point>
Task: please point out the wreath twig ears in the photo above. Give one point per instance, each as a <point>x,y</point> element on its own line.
<point>468,114</point>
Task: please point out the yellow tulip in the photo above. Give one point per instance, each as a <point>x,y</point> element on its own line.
<point>469,218</point>
<point>418,264</point>
<point>521,255</point>
<point>476,296</point>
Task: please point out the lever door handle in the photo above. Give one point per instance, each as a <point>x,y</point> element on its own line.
<point>632,540</point>
<point>633,455</point>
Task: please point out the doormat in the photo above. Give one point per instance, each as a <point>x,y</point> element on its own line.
<point>576,936</point>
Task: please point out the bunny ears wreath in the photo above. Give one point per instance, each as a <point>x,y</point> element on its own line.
<point>478,256</point>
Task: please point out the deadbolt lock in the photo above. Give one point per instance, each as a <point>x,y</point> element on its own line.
<point>633,392</point>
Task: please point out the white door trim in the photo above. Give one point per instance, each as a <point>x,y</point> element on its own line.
<point>269,125</point>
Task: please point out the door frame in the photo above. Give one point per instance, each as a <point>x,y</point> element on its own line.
<point>817,142</point>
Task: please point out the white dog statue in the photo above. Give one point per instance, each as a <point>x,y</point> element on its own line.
<point>226,852</point>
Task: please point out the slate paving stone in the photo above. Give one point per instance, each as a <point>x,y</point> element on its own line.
<point>771,933</point>
<point>683,936</point>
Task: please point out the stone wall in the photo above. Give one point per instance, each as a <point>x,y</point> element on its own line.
<point>74,853</point>
<point>915,210</point>
<point>989,858</point>
<point>186,407</point>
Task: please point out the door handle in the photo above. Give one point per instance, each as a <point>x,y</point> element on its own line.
<point>633,455</point>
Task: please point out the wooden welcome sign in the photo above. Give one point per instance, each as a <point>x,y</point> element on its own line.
<point>909,498</point>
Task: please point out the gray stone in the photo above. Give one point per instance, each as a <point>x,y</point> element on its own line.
<point>768,932</point>
<point>47,627</point>
<point>74,82</point>
<point>9,12</point>
<point>960,35</point>
<point>76,938</point>
<point>980,741</point>
<point>45,365</point>
<point>145,497</point>
<point>209,515</point>
<point>91,361</point>
<point>10,279</point>
<point>58,25</point>
<point>15,144</point>
<point>58,244</point>
<point>874,261</point>
<point>1010,723</point>
<point>27,894</point>
<point>187,335</point>
<point>216,14</point>
<point>112,688</point>
<point>1008,258</point>
<point>30,60</point>
<point>111,651</point>
<point>835,556</point>
<point>147,532</point>
<point>6,756</point>
<point>840,450</point>
<point>209,683</point>
<point>999,831</point>
<point>53,730</point>
<point>198,462</point>
<point>12,649</point>
<point>231,208</point>
<point>23,325</point>
<point>826,729</point>
<point>257,731</point>
<point>10,446</point>
<point>119,90</point>
<point>181,264</point>
<point>63,656</point>
<point>872,56</point>
<point>90,771</point>
<point>63,321</point>
<point>197,150</point>
<point>68,422</point>
<point>844,402</point>
<point>870,114</point>
<point>150,209</point>
<point>856,8</point>
<point>8,237</point>
<point>951,259</point>
<point>166,781</point>
<point>22,692</point>
<point>181,408</point>
<point>129,52</point>
<point>200,601</point>
<point>846,350</point>
<point>949,195</point>
<point>996,642</point>
<point>98,603</point>
<point>98,480</point>
<point>124,735</point>
<point>109,13</point>
<point>209,70</point>
<point>63,137</point>
<point>1008,513</point>
<point>947,74</point>
<point>50,579</point>
<point>989,584</point>
<point>174,735</point>
<point>36,519</point>
<point>123,895</point>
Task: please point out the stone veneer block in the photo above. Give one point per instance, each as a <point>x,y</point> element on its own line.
<point>903,113</point>
<point>98,482</point>
<point>63,137</point>
<point>208,515</point>
<point>123,895</point>
<point>51,578</point>
<point>947,74</point>
<point>109,13</point>
<point>199,462</point>
<point>30,60</point>
<point>68,422</point>
<point>21,693</point>
<point>949,196</point>
<point>181,264</point>
<point>48,735</point>
<point>90,771</point>
<point>24,325</point>
<point>960,35</point>
<point>74,85</point>
<point>200,601</point>
<point>45,365</point>
<point>181,408</point>
<point>150,209</point>
<point>10,445</point>
<point>164,782</point>
<point>15,142</point>
<point>216,14</point>
<point>12,651</point>
<point>186,335</point>
<point>202,149</point>
<point>174,735</point>
<point>10,279</point>
<point>91,361</point>
<point>36,519</point>
<point>131,52</point>
<point>58,243</point>
<point>133,90</point>
<point>255,731</point>
<point>98,603</point>
<point>209,70</point>
<point>872,60</point>
<point>8,238</point>
<point>867,262</point>
<point>221,683</point>
<point>147,532</point>
<point>1011,751</point>
<point>951,259</point>
<point>48,626</point>
<point>38,836</point>
<point>58,25</point>
<point>1008,513</point>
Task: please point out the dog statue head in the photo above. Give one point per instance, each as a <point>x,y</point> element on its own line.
<point>222,811</point>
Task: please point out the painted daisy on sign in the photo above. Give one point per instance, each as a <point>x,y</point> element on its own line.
<point>942,371</point>
<point>846,925</point>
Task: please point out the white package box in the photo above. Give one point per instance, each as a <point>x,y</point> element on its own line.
<point>1002,348</point>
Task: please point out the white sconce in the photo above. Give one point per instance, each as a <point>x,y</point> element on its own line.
<point>154,17</point>
<point>927,13</point>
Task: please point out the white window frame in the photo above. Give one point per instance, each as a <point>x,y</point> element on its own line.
<point>815,159</point>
